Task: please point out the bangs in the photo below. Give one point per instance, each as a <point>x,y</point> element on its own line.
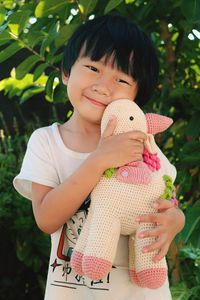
<point>105,46</point>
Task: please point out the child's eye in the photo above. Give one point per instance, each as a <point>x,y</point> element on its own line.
<point>92,68</point>
<point>123,81</point>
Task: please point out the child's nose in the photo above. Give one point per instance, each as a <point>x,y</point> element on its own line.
<point>102,87</point>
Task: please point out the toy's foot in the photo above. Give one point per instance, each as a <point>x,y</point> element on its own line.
<point>134,278</point>
<point>76,262</point>
<point>134,175</point>
<point>152,278</point>
<point>96,268</point>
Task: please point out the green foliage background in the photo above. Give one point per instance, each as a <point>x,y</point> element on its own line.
<point>32,35</point>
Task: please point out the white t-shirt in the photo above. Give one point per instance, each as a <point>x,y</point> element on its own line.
<point>49,162</point>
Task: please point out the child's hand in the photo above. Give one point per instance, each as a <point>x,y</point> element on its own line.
<point>118,150</point>
<point>170,221</point>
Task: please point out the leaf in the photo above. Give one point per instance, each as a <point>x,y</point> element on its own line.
<point>88,6</point>
<point>39,70</point>
<point>9,51</point>
<point>14,28</point>
<point>18,21</point>
<point>195,237</point>
<point>50,37</point>
<point>192,219</point>
<point>15,87</point>
<point>111,5</point>
<point>4,27</point>
<point>193,158</point>
<point>185,181</point>
<point>4,37</point>
<point>9,4</point>
<point>191,153</point>
<point>180,292</point>
<point>45,8</point>
<point>26,66</point>
<point>49,85</point>
<point>24,20</point>
<point>40,9</point>
<point>193,128</point>
<point>56,58</point>
<point>34,37</point>
<point>191,10</point>
<point>65,33</point>
<point>2,15</point>
<point>31,92</point>
<point>59,94</point>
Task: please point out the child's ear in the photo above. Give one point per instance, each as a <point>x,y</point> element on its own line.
<point>65,78</point>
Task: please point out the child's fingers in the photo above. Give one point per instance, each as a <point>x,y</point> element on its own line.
<point>155,232</point>
<point>161,254</point>
<point>137,135</point>
<point>163,204</point>
<point>110,127</point>
<point>151,218</point>
<point>155,246</point>
<point>157,217</point>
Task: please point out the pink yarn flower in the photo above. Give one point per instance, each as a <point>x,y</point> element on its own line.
<point>152,160</point>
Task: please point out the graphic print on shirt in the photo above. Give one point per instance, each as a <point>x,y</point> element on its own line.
<point>69,235</point>
<point>67,240</point>
<point>71,231</point>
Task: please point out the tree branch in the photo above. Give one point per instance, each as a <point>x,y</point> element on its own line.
<point>42,58</point>
<point>170,53</point>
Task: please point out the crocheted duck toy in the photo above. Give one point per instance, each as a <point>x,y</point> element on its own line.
<point>122,195</point>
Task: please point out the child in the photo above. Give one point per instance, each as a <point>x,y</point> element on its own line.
<point>106,59</point>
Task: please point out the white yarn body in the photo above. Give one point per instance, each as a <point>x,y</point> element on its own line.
<point>113,211</point>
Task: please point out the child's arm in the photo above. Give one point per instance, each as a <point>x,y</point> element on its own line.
<point>170,220</point>
<point>54,206</point>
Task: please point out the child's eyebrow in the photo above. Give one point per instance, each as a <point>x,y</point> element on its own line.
<point>104,61</point>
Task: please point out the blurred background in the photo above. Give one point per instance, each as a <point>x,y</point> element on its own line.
<point>32,36</point>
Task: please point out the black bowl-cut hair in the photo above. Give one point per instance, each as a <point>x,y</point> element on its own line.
<point>132,49</point>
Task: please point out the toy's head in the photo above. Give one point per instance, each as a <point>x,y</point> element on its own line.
<point>130,117</point>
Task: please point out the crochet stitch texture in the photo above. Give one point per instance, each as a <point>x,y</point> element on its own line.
<point>119,198</point>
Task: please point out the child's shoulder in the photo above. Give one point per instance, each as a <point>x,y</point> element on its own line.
<point>43,134</point>
<point>45,129</point>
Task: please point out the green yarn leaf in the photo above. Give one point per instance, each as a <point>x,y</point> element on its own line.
<point>109,172</point>
<point>168,188</point>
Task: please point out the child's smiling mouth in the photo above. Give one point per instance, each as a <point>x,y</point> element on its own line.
<point>95,102</point>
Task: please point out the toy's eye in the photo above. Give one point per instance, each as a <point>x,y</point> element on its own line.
<point>131,118</point>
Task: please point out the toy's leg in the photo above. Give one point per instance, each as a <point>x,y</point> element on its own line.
<point>101,247</point>
<point>78,252</point>
<point>132,271</point>
<point>149,274</point>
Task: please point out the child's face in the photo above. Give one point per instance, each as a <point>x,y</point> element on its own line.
<point>92,85</point>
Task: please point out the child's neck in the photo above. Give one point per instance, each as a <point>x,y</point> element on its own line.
<point>82,126</point>
<point>80,135</point>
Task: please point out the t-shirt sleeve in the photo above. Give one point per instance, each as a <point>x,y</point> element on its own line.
<point>37,165</point>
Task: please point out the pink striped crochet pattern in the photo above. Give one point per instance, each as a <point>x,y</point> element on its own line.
<point>119,198</point>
